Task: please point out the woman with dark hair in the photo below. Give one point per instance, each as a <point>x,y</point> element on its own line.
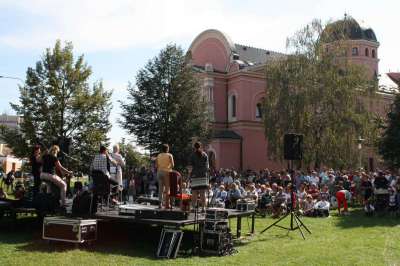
<point>199,175</point>
<point>36,164</point>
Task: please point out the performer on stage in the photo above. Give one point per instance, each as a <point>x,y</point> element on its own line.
<point>102,162</point>
<point>199,175</point>
<point>164,165</point>
<point>36,164</point>
<point>116,173</point>
<point>50,164</point>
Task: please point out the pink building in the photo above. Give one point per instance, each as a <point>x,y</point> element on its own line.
<point>235,84</point>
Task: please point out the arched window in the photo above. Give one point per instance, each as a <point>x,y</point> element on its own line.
<point>373,53</point>
<point>366,52</point>
<point>259,111</point>
<point>354,51</point>
<point>233,106</point>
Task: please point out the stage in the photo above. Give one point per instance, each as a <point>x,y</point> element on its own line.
<point>192,218</point>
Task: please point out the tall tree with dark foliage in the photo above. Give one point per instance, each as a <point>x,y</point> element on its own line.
<point>57,102</point>
<point>166,105</point>
<point>389,146</point>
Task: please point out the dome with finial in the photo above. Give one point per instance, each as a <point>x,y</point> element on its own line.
<point>347,28</point>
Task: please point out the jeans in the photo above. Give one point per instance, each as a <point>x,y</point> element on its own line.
<point>56,180</point>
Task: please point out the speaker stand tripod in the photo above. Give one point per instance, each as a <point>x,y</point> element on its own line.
<point>294,218</point>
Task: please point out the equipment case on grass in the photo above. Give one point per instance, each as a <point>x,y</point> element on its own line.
<point>245,205</point>
<point>69,229</point>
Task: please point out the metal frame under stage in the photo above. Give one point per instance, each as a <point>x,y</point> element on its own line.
<point>113,215</point>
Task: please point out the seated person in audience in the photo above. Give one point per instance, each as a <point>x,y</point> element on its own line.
<point>251,193</point>
<point>308,208</point>
<point>301,195</point>
<point>313,191</point>
<point>324,194</point>
<point>3,194</point>
<point>233,195</point>
<point>240,187</point>
<point>322,207</point>
<point>221,195</point>
<point>279,204</point>
<point>266,202</point>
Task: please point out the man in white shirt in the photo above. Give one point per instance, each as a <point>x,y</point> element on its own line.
<point>116,170</point>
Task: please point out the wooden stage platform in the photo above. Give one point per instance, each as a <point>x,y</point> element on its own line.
<point>113,215</point>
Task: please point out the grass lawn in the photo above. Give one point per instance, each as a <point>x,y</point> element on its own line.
<point>348,240</point>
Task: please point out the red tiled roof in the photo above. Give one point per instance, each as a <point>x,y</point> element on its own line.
<point>395,76</point>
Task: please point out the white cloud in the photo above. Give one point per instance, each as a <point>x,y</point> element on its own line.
<point>98,25</point>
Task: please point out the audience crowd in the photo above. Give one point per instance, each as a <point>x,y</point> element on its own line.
<point>316,191</point>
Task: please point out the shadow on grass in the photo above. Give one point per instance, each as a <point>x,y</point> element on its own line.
<point>113,238</point>
<point>357,218</point>
<point>116,238</point>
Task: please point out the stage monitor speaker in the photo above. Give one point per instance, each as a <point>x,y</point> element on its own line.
<point>293,147</point>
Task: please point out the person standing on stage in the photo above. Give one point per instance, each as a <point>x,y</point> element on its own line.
<point>199,175</point>
<point>102,162</point>
<point>36,164</point>
<point>116,171</point>
<point>50,163</point>
<point>164,165</point>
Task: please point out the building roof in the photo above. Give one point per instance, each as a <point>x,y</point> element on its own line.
<point>250,56</point>
<point>347,28</point>
<point>243,55</point>
<point>395,77</point>
<point>226,134</point>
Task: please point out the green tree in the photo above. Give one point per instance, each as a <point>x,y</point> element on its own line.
<point>389,146</point>
<point>166,105</point>
<point>56,102</point>
<point>133,158</point>
<point>316,92</point>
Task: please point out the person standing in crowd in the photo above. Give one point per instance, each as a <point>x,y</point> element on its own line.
<point>117,169</point>
<point>199,175</point>
<point>102,162</point>
<point>164,165</point>
<point>36,164</point>
<point>49,165</point>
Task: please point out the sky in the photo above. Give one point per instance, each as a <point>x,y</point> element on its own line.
<point>118,37</point>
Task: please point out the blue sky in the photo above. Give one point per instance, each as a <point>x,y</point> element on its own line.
<point>118,37</point>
